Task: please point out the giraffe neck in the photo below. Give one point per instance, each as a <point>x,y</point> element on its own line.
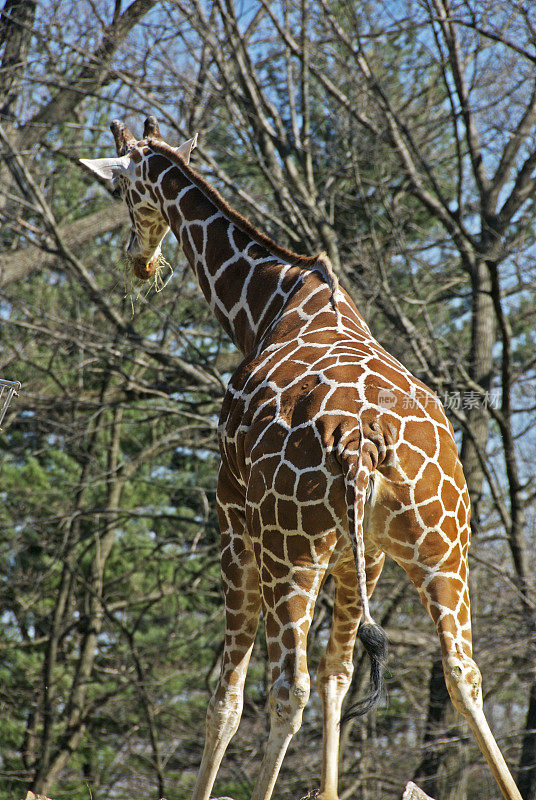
<point>246,278</point>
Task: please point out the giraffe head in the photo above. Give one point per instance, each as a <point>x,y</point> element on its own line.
<point>133,182</point>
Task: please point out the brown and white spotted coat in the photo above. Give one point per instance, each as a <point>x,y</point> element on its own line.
<point>332,455</point>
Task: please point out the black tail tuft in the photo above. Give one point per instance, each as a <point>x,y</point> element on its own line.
<point>375,643</point>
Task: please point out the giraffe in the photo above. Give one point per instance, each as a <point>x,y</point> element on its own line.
<point>332,456</point>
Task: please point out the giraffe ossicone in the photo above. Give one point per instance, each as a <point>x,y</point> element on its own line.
<point>320,473</point>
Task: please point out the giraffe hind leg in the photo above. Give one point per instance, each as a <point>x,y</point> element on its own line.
<point>448,591</point>
<point>464,685</point>
<point>438,569</point>
<point>240,580</point>
<point>462,676</point>
<point>225,707</point>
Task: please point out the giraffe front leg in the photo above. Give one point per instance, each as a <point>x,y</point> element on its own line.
<point>242,610</point>
<point>336,666</point>
<point>288,697</point>
<point>288,604</point>
<point>335,675</point>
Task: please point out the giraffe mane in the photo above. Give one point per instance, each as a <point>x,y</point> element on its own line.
<point>230,213</point>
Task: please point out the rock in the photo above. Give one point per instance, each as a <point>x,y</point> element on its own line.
<point>412,792</point>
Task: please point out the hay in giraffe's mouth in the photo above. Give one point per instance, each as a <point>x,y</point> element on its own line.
<point>141,273</point>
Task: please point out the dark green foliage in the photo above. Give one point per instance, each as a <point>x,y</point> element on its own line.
<point>111,617</point>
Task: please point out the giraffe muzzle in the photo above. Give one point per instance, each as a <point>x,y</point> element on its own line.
<point>143,269</point>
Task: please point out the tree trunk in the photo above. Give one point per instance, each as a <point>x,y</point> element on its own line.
<point>480,370</point>
<point>526,776</point>
<point>437,706</point>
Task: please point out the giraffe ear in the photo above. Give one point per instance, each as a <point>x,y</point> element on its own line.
<point>185,150</point>
<point>106,168</point>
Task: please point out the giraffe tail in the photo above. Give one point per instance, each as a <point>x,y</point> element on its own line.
<point>374,640</point>
<point>371,635</point>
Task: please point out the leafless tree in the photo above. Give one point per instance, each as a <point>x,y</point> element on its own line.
<point>398,138</point>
